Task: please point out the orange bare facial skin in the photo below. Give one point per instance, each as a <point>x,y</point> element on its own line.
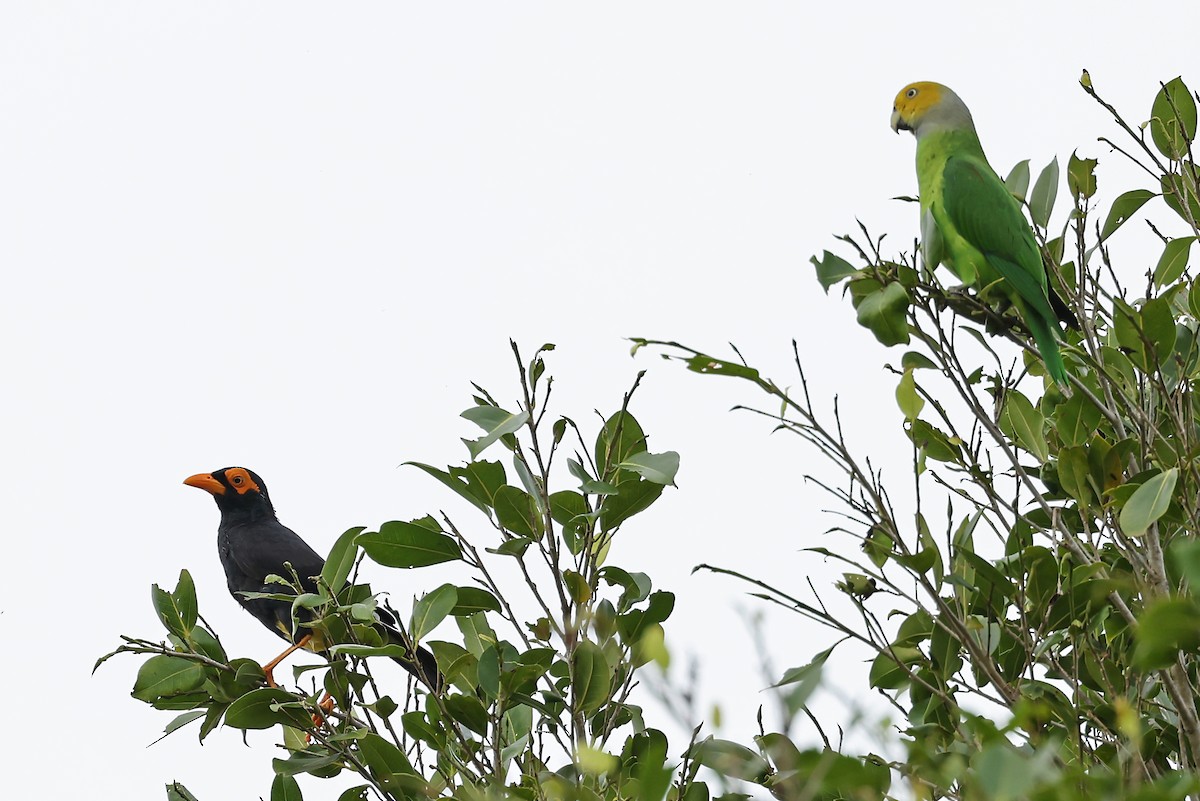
<point>241,481</point>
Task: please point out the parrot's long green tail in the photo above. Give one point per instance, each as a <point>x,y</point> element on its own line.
<point>1047,343</point>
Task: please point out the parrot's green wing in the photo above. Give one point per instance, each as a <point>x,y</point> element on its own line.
<point>983,213</point>
<point>987,218</point>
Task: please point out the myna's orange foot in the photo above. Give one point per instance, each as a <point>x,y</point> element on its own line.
<point>269,668</point>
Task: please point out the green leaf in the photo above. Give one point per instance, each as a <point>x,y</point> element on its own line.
<point>915,360</point>
<point>878,545</point>
<point>914,629</point>
<point>594,762</point>
<point>358,793</point>
<point>1018,180</point>
<point>385,707</point>
<point>477,632</point>
<point>432,609</point>
<point>459,485</point>
<point>1073,473</point>
<point>401,544</point>
<point>990,581</point>
<point>341,560</point>
<point>944,652</point>
<point>484,478</point>
<point>1122,209</point>
<point>1166,627</point>
<point>633,497</point>
<point>488,672</point>
<point>1178,191</point>
<point>633,624</point>
<point>467,710</point>
<point>1127,327</point>
<point>657,467</point>
<point>935,443</point>
<point>636,586</point>
<point>1173,261</point>
<point>165,676</point>
<point>216,713</point>
<point>1173,120</point>
<point>621,437</point>
<point>831,269</point>
<point>185,600</point>
<point>1081,176</point>
<point>304,762</point>
<point>707,365</point>
<point>808,677</point>
<point>566,506</point>
<point>730,759</point>
<point>531,485</point>
<point>1148,503</point>
<point>1158,329</point>
<point>177,610</point>
<point>653,770</point>
<point>472,600</point>
<point>184,719</point>
<point>652,647</point>
<point>517,512</point>
<point>1025,423</point>
<point>354,649</point>
<point>514,547</point>
<point>1185,556</point>
<point>884,313</point>
<point>577,587</point>
<point>264,708</point>
<point>570,510</point>
<point>910,401</point>
<point>285,788</point>
<point>859,585</point>
<point>888,674</point>
<point>1193,300</point>
<point>417,726</point>
<point>177,792</point>
<point>591,683</point>
<point>929,545</point>
<point>1186,356</point>
<point>1076,420</point>
<point>390,766</point>
<point>1009,775</point>
<point>1041,202</point>
<point>495,421</point>
<point>588,484</point>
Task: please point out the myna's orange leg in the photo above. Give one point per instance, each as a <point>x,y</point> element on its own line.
<point>270,666</point>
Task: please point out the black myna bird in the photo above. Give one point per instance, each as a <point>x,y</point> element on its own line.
<point>253,544</point>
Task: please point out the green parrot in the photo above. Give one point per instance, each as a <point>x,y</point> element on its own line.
<point>969,219</point>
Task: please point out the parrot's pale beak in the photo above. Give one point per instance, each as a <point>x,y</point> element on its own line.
<point>898,123</point>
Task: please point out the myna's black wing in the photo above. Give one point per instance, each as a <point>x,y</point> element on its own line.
<point>251,553</point>
<point>268,547</point>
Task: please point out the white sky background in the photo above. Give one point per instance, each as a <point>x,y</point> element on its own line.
<point>288,236</point>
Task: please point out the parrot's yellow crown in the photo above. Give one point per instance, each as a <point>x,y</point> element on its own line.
<point>916,98</point>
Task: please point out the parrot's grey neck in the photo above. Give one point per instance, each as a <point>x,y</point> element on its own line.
<point>950,115</point>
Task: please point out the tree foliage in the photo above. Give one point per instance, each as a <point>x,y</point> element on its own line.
<point>1029,602</point>
<point>1034,615</point>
